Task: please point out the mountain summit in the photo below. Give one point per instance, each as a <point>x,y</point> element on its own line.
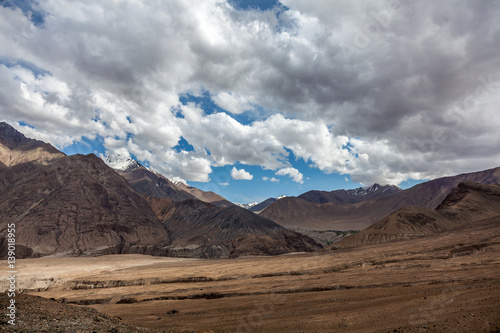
<point>121,163</point>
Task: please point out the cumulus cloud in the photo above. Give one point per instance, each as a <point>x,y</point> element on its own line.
<point>272,179</point>
<point>383,91</point>
<point>241,174</point>
<point>292,173</point>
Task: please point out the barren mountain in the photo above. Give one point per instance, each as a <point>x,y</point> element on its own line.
<point>467,203</point>
<point>75,205</point>
<point>258,208</point>
<point>298,214</point>
<point>78,205</point>
<point>15,148</point>
<point>350,196</point>
<point>199,229</point>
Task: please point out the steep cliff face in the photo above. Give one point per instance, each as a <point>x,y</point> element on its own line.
<point>76,205</point>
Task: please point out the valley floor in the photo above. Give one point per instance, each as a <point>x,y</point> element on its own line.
<point>444,283</point>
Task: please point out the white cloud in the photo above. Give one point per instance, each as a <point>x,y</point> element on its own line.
<point>233,103</point>
<point>240,174</point>
<point>292,173</point>
<point>224,184</point>
<point>367,113</point>
<point>272,179</point>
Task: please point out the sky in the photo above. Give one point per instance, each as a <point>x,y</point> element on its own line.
<point>256,99</point>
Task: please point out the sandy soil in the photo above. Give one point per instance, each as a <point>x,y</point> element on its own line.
<point>445,283</point>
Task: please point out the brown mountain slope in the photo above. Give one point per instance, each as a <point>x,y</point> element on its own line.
<point>75,205</point>
<point>206,196</point>
<point>15,148</point>
<point>467,203</point>
<point>298,214</point>
<point>202,230</point>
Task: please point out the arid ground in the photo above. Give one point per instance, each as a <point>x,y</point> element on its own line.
<point>443,283</point>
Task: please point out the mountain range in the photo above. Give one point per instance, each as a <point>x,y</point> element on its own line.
<point>351,196</point>
<point>78,205</point>
<point>299,214</point>
<point>466,205</point>
<point>84,205</point>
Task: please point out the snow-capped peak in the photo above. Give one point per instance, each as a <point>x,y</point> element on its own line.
<point>121,163</point>
<point>281,197</point>
<point>246,206</point>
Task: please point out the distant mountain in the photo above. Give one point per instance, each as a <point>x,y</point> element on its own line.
<point>153,184</point>
<point>298,214</point>
<point>246,205</point>
<point>75,205</point>
<point>199,229</point>
<point>257,207</point>
<point>351,196</point>
<point>467,203</point>
<point>15,148</point>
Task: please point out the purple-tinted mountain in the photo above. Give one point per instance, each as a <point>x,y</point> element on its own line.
<point>350,196</point>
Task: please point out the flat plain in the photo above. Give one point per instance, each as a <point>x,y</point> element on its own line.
<point>444,283</point>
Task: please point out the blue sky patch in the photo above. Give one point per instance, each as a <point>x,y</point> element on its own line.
<point>29,8</point>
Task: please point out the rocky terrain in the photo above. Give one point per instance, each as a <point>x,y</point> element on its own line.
<point>76,205</point>
<point>37,314</point>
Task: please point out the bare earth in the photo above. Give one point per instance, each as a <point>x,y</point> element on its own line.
<point>443,283</point>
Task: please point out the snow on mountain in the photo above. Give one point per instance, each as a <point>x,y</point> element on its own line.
<point>360,191</point>
<point>121,163</point>
<point>246,206</point>
<point>259,206</point>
